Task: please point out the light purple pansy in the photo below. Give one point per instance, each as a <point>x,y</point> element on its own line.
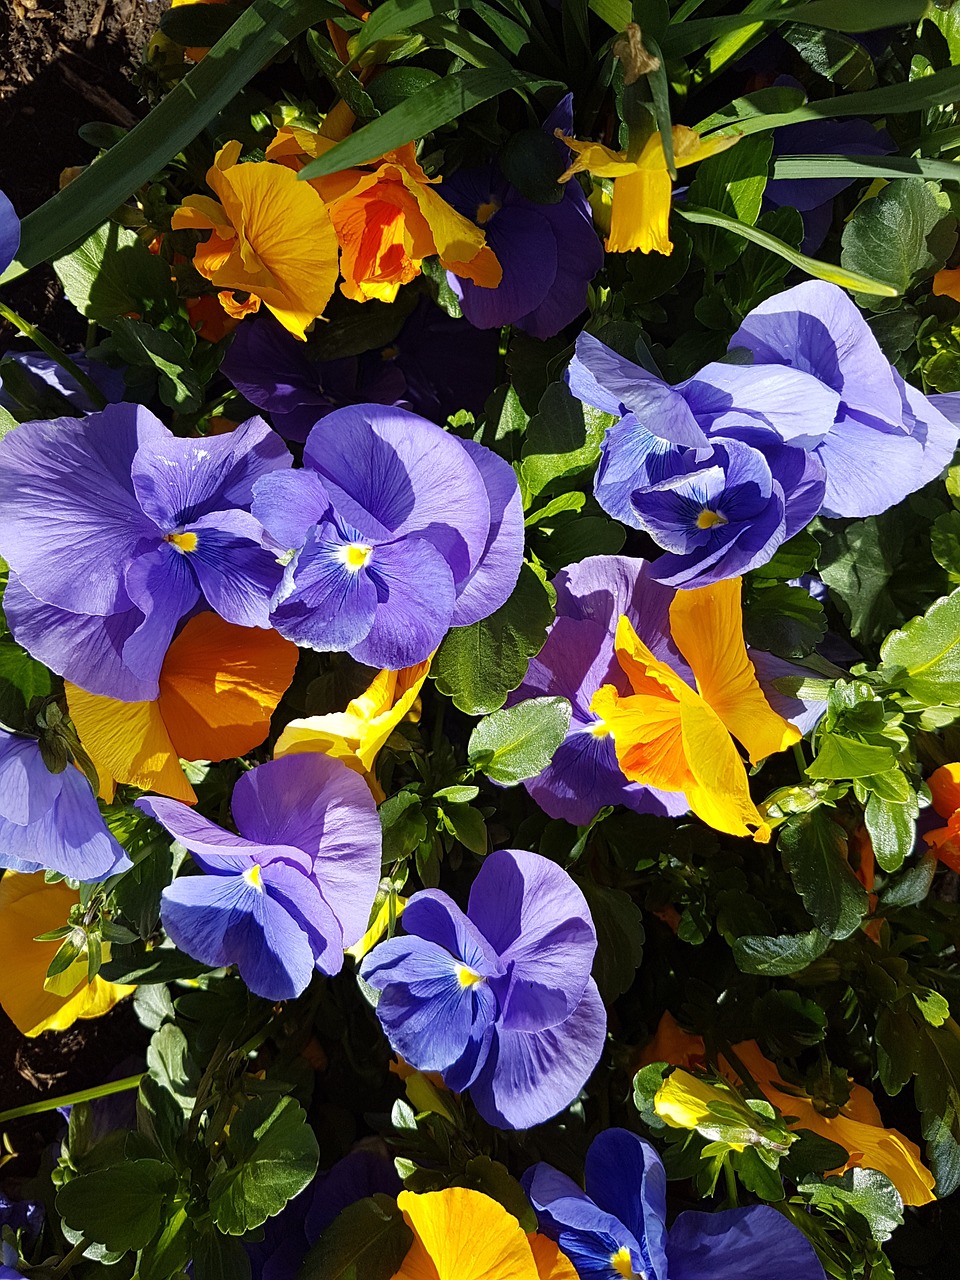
<point>9,232</point>
<point>579,656</point>
<point>549,252</point>
<point>51,821</point>
<point>499,999</point>
<point>617,1226</point>
<point>115,529</point>
<point>400,530</point>
<point>288,893</point>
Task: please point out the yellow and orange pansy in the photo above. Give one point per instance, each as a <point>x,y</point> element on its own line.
<point>944,784</point>
<point>32,1001</point>
<point>356,735</point>
<point>640,214</point>
<point>459,1234</point>
<point>271,239</point>
<point>219,686</point>
<point>675,738</point>
<point>388,217</point>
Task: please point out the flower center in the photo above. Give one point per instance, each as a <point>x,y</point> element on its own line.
<point>253,877</point>
<point>622,1264</point>
<point>184,542</point>
<point>466,977</point>
<point>600,729</point>
<point>486,211</point>
<point>355,555</point>
<point>707,519</point>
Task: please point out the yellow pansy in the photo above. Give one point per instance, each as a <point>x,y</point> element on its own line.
<point>270,238</point>
<point>640,216</point>
<point>32,1001</point>
<point>356,735</point>
<point>460,1234</point>
<point>219,686</point>
<point>675,738</point>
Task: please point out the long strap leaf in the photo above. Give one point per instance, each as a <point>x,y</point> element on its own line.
<point>864,167</point>
<point>853,280</point>
<point>257,36</point>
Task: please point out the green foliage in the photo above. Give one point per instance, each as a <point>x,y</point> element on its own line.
<point>121,1207</point>
<point>519,743</point>
<point>924,657</point>
<point>368,1241</point>
<point>814,851</point>
<point>905,233</point>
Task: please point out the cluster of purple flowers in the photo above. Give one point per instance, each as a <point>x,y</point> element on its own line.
<point>806,417</point>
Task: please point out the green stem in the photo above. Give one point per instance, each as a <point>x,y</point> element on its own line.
<point>801,762</point>
<point>68,1099</point>
<point>731,1181</point>
<point>53,351</point>
<point>75,1254</point>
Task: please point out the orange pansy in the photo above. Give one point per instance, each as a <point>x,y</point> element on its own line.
<point>271,237</point>
<point>944,786</point>
<point>219,686</point>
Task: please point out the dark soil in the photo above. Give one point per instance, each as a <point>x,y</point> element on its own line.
<point>63,63</point>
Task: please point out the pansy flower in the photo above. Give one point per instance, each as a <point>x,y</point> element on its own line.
<point>549,253</point>
<point>115,529</point>
<point>32,1001</point>
<point>460,1234</point>
<point>51,821</point>
<point>388,217</point>
<point>640,216</point>
<point>288,892</point>
<point>356,734</point>
<point>499,1000</point>
<point>270,238</point>
<point>672,736</point>
<point>219,686</point>
<point>434,366</point>
<point>944,784</point>
<point>401,531</point>
<point>9,232</point>
<point>617,1226</point>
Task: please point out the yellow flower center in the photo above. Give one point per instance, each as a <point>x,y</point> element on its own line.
<point>355,555</point>
<point>707,519</point>
<point>622,1264</point>
<point>486,211</point>
<point>466,977</point>
<point>600,729</point>
<point>184,542</point>
<point>253,877</point>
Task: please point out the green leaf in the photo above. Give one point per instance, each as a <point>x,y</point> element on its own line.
<point>277,1155</point>
<point>853,280</point>
<point>119,1207</point>
<point>457,93</point>
<point>265,28</point>
<point>168,1254</point>
<point>814,850</point>
<point>394,16</point>
<point>937,1094</point>
<point>520,742</point>
<point>903,234</point>
<point>199,25</point>
<point>892,829</point>
<point>620,937</point>
<point>866,1191</point>
<point>217,1257</point>
<point>403,824</point>
<point>870,167</point>
<point>112,273</point>
<point>358,99</point>
<point>782,619</point>
<point>733,183</point>
<point>945,542</point>
<point>924,657</point>
<point>368,1241</point>
<point>529,160</point>
<point>467,824</point>
<point>842,757</point>
<point>478,666</point>
<point>394,85</point>
<point>834,56</point>
<point>493,1179</point>
<point>898,1048</point>
<point>141,344</point>
<point>22,679</point>
<point>563,438</point>
<point>777,956</point>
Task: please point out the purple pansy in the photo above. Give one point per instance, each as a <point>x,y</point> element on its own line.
<point>618,1225</point>
<point>400,530</point>
<point>287,1237</point>
<point>48,373</point>
<point>9,232</point>
<point>499,999</point>
<point>814,197</point>
<point>579,656</point>
<point>549,252</point>
<point>434,367</point>
<point>292,889</point>
<point>115,529</point>
<point>51,821</point>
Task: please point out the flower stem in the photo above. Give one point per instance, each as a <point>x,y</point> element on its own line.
<point>75,1254</point>
<point>53,351</point>
<point>731,1180</point>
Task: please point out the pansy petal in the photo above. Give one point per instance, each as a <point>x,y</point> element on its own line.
<point>495,575</point>
<point>237,575</point>
<point>707,624</point>
<point>27,787</point>
<point>527,251</point>
<point>162,585</point>
<point>213,848</point>
<point>867,469</point>
<point>69,518</point>
<point>797,406</point>
<point>531,1075</point>
<point>288,504</point>
<point>179,479</point>
<point>416,598</point>
<point>461,1234</point>
<point>322,602</point>
<point>9,232</point>
<point>625,1176</point>
<point>433,915</point>
<point>71,837</point>
<point>300,897</point>
<point>752,1243</point>
<point>538,922</point>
